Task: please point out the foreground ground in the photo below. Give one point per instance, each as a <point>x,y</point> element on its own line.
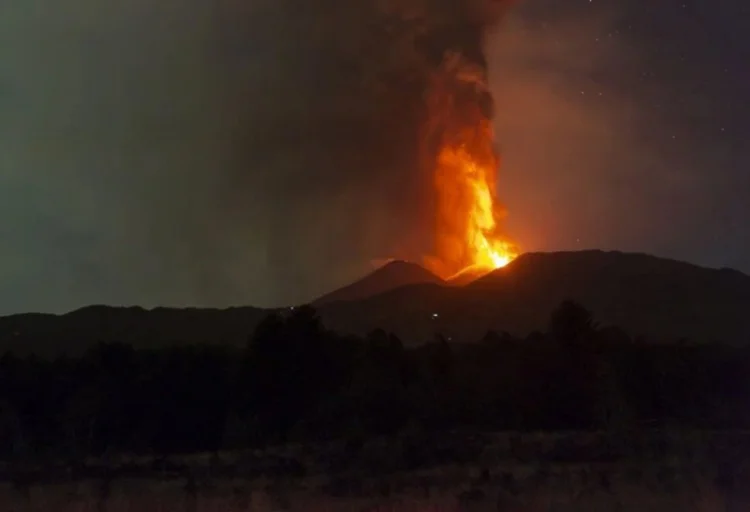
<point>641,471</point>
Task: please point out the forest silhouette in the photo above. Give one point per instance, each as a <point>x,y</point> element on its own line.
<point>296,381</point>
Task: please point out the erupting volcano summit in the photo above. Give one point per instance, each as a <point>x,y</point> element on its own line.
<point>458,149</point>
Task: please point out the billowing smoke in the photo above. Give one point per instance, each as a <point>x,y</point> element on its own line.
<point>361,131</point>
<point>458,149</point>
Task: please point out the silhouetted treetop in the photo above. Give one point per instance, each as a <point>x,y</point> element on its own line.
<point>570,323</point>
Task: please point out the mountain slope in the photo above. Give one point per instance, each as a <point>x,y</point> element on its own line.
<point>395,274</point>
<point>662,299</point>
<point>78,330</point>
<point>655,297</point>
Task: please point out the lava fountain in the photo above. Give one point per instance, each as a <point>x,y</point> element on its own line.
<point>459,150</point>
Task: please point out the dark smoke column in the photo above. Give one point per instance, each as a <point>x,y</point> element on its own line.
<point>352,151</point>
<point>457,144</point>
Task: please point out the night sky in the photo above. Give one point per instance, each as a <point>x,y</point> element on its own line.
<point>186,152</point>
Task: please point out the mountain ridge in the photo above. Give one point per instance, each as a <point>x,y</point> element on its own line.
<point>659,298</point>
<point>392,275</point>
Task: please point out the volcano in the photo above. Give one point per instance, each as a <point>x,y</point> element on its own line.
<point>656,298</point>
<point>467,276</point>
<point>659,299</point>
<point>390,276</point>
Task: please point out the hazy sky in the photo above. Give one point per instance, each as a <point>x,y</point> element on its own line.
<point>622,124</point>
<point>186,152</point>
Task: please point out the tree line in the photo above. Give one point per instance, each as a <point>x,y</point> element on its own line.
<point>295,380</point>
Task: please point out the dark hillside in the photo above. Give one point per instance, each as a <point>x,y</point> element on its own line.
<point>660,299</point>
<point>393,275</point>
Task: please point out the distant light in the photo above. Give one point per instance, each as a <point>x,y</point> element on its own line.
<point>435,315</point>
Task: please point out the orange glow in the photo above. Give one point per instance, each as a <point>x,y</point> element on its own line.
<point>459,153</point>
<point>468,216</point>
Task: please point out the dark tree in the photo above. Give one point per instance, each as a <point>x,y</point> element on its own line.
<point>571,324</point>
<point>288,369</point>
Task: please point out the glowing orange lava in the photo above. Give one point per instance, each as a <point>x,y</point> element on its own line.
<point>459,153</point>
<point>468,215</point>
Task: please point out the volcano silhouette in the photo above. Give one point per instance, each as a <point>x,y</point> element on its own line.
<point>661,299</point>
<point>467,276</point>
<point>390,276</point>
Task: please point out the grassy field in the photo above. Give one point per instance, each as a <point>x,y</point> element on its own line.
<point>654,471</point>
